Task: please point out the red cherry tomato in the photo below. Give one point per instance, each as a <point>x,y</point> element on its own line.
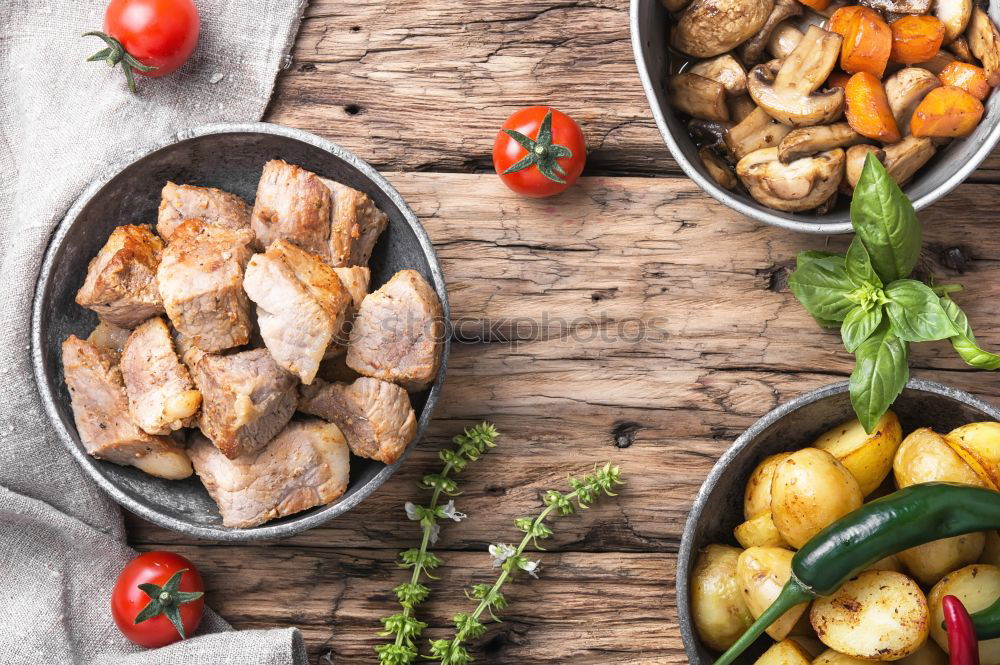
<point>149,37</point>
<point>166,605</point>
<point>532,163</point>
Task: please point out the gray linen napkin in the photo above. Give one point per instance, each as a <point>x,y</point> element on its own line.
<point>62,121</point>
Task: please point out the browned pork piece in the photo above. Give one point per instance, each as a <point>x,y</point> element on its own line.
<point>246,400</point>
<point>355,279</point>
<point>161,396</point>
<point>201,281</point>
<point>121,279</point>
<point>306,465</point>
<point>100,409</point>
<point>337,223</point>
<point>398,332</point>
<point>301,306</point>
<point>375,416</point>
<point>210,205</point>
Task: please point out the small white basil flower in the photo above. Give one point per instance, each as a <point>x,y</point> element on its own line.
<point>501,552</point>
<point>411,510</point>
<point>450,512</point>
<point>435,532</point>
<point>531,567</point>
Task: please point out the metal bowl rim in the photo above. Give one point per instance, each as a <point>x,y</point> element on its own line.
<point>294,524</point>
<point>685,553</point>
<point>738,203</point>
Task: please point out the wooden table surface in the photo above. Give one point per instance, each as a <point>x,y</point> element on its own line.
<point>631,319</point>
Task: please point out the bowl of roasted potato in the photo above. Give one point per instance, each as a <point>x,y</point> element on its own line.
<point>799,469</point>
<point>771,106</point>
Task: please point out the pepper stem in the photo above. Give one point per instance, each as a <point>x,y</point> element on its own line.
<point>791,595</point>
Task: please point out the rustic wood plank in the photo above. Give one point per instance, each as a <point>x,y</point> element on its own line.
<point>424,85</point>
<point>585,608</point>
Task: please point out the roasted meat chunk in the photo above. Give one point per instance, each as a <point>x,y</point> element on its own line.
<point>201,281</point>
<point>306,465</point>
<point>161,396</point>
<point>100,409</point>
<point>301,306</point>
<point>246,400</point>
<point>398,332</point>
<point>375,416</point>
<point>331,220</point>
<point>121,279</point>
<point>355,279</point>
<point>210,205</point>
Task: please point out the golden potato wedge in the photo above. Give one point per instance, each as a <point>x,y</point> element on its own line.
<point>832,657</point>
<point>979,446</point>
<point>761,572</point>
<point>878,615</point>
<point>757,494</point>
<point>810,490</point>
<point>720,615</point>
<point>925,456</point>
<point>977,586</point>
<point>785,652</point>
<point>991,550</point>
<point>759,532</point>
<point>931,561</point>
<point>867,456</point>
<point>929,654</point>
<point>891,562</point>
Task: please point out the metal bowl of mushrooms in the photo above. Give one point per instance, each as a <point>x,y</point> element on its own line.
<point>771,106</point>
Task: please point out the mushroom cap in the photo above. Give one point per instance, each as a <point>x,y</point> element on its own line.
<point>752,49</point>
<point>806,141</point>
<point>804,184</point>
<point>954,14</point>
<point>711,27</point>
<point>905,89</point>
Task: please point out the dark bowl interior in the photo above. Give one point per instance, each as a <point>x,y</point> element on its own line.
<point>718,509</point>
<point>946,170</point>
<point>230,158</point>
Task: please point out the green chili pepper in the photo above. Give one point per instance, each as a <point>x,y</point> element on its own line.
<point>909,517</point>
<point>987,622</point>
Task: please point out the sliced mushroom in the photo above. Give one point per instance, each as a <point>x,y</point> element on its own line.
<point>855,161</point>
<point>955,15</point>
<point>940,60</point>
<point>726,70</point>
<point>783,40</point>
<point>758,130</point>
<point>698,96</point>
<point>807,141</point>
<point>901,159</point>
<point>740,107</point>
<point>802,185</point>
<point>711,27</point>
<point>674,6</point>
<point>790,94</point>
<point>905,89</point>
<point>717,168</point>
<point>984,42</point>
<point>899,6</point>
<point>751,50</point>
<point>960,49</point>
<point>709,133</point>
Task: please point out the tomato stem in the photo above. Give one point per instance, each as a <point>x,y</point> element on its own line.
<point>166,601</point>
<point>541,152</point>
<point>114,54</point>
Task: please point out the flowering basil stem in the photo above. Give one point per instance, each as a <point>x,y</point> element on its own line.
<point>404,626</point>
<point>511,559</point>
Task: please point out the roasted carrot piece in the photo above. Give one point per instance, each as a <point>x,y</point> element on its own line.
<point>915,39</point>
<point>867,40</point>
<point>837,80</point>
<point>968,77</point>
<point>946,112</point>
<point>818,5</point>
<point>868,110</point>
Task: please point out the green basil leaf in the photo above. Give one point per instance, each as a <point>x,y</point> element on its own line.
<point>859,266</point>
<point>859,325</point>
<point>879,376</point>
<point>916,312</point>
<point>884,220</point>
<point>811,255</point>
<point>965,342</point>
<point>823,288</point>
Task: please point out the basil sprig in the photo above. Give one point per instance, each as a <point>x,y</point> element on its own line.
<point>870,296</point>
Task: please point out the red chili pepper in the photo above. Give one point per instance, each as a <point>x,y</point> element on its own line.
<point>962,644</point>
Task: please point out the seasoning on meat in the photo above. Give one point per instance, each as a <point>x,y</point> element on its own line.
<point>306,465</point>
<point>398,332</point>
<point>210,205</point>
<point>161,395</point>
<point>201,280</point>
<point>100,409</point>
<point>121,279</point>
<point>356,225</point>
<point>375,416</point>
<point>246,400</point>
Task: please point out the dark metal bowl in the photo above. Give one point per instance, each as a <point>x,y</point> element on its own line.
<point>718,508</point>
<point>946,170</point>
<point>229,157</point>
